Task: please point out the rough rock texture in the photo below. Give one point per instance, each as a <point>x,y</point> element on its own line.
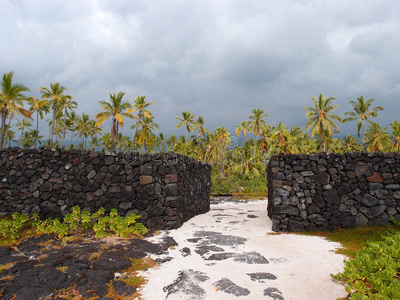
<point>324,191</point>
<point>165,189</point>
<point>40,266</point>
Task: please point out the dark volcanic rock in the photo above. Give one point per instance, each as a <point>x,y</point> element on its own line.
<point>187,284</point>
<point>229,287</point>
<point>261,276</point>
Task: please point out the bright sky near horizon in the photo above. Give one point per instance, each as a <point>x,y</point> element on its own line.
<point>216,58</point>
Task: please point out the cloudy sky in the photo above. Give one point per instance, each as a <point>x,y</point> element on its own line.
<point>218,59</point>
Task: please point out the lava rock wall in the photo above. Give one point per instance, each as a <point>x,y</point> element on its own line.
<point>324,191</point>
<point>165,189</point>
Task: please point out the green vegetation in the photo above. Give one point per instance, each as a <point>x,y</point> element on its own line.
<point>373,270</point>
<point>236,164</point>
<point>20,225</point>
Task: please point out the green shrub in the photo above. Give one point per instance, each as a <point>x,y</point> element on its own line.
<point>77,220</point>
<point>12,228</point>
<point>374,272</point>
<point>237,184</point>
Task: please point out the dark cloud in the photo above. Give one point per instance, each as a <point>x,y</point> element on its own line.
<point>218,59</point>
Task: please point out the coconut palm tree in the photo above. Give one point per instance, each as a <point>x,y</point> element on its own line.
<point>362,111</point>
<point>242,128</point>
<point>29,138</point>
<point>140,105</point>
<point>72,122</point>
<point>11,100</point>
<point>350,144</point>
<point>83,126</point>
<point>187,120</point>
<point>160,141</point>
<point>296,140</point>
<point>320,117</point>
<point>145,135</point>
<point>22,125</point>
<point>199,125</point>
<point>39,106</point>
<point>377,137</point>
<point>223,138</point>
<point>281,136</point>
<point>106,141</point>
<point>117,110</point>
<point>171,142</point>
<point>256,124</point>
<point>10,136</point>
<point>55,95</point>
<point>65,106</point>
<point>395,136</point>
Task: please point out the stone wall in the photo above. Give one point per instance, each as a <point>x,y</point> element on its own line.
<point>326,191</point>
<point>165,189</point>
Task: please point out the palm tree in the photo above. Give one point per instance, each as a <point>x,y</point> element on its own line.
<point>145,135</point>
<point>160,141</point>
<point>106,141</point>
<point>377,137</point>
<point>139,105</point>
<point>223,137</point>
<point>242,128</point>
<point>187,120</point>
<point>199,125</point>
<point>66,106</point>
<point>320,117</point>
<point>55,94</point>
<point>361,112</point>
<point>117,109</point>
<point>171,142</point>
<point>21,126</point>
<point>256,124</point>
<point>11,99</point>
<point>395,136</point>
<point>83,126</point>
<point>72,121</point>
<point>281,136</point>
<point>29,138</point>
<point>296,140</point>
<point>39,106</point>
<point>124,142</point>
<point>350,144</point>
<point>10,136</point>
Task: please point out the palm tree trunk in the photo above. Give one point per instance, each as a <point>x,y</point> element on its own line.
<point>3,126</point>
<point>363,135</point>
<point>52,125</point>
<point>37,128</point>
<point>134,136</point>
<point>7,128</point>
<point>241,164</point>
<point>255,147</point>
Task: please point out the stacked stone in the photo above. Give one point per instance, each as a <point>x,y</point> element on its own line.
<point>324,191</point>
<point>165,189</point>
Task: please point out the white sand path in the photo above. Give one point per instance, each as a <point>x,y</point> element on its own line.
<point>235,244</point>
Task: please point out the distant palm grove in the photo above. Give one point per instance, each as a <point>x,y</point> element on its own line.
<point>237,168</point>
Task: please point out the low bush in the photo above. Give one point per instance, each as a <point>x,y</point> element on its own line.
<point>233,184</point>
<point>102,225</point>
<point>374,272</point>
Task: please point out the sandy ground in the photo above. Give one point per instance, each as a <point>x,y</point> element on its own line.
<point>229,253</point>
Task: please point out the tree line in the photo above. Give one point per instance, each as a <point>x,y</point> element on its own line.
<point>217,147</point>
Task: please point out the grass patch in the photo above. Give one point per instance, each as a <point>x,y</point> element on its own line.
<point>354,240</point>
<point>62,269</point>
<point>95,255</point>
<point>7,277</point>
<point>73,293</point>
<point>7,266</point>
<point>130,277</point>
